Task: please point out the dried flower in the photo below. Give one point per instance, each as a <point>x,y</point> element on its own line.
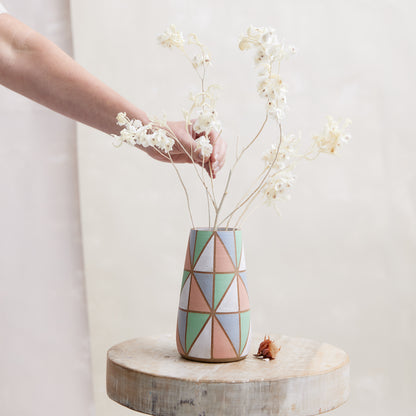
<point>135,133</point>
<point>267,349</point>
<point>204,146</point>
<point>333,136</point>
<point>171,38</point>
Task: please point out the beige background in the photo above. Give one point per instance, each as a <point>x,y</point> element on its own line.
<point>339,264</point>
<point>44,343</point>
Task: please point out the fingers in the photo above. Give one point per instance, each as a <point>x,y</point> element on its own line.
<point>219,148</point>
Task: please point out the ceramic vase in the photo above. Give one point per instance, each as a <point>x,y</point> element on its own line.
<point>214,310</point>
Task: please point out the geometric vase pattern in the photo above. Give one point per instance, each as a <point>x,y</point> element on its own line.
<point>214,310</point>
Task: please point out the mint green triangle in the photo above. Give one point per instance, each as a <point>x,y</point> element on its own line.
<point>222,282</point>
<point>195,323</point>
<point>245,328</point>
<point>201,239</point>
<point>185,276</point>
<point>238,243</point>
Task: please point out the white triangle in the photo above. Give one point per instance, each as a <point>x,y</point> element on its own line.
<point>247,347</point>
<point>242,261</point>
<point>183,301</point>
<point>206,260</point>
<point>202,345</point>
<point>230,301</point>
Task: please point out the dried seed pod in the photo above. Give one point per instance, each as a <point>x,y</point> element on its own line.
<point>267,349</point>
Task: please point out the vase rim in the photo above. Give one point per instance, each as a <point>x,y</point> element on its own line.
<point>218,229</point>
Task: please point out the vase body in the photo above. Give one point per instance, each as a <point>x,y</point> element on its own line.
<point>214,311</point>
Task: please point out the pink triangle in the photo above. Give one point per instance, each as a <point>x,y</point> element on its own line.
<point>222,347</point>
<point>243,295</point>
<point>187,266</point>
<point>223,262</point>
<point>197,302</point>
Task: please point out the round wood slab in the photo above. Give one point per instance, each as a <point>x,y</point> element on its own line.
<point>306,378</point>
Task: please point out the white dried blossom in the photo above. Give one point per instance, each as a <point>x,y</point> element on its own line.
<point>332,137</point>
<point>286,153</point>
<point>171,37</point>
<point>278,186</point>
<point>122,119</point>
<point>135,133</point>
<point>206,122</point>
<point>200,60</point>
<point>204,146</point>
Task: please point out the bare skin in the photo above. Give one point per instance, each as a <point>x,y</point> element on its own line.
<point>35,67</point>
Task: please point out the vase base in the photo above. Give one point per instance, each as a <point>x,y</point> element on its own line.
<point>214,360</point>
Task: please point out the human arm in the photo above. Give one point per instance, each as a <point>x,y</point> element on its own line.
<point>35,67</point>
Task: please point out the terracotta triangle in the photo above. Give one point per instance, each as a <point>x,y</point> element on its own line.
<point>228,238</point>
<point>222,347</point>
<point>197,301</point>
<point>223,262</point>
<point>206,284</point>
<point>187,260</point>
<point>243,295</point>
<point>231,325</point>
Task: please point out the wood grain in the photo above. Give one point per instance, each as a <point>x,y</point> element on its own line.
<point>306,378</point>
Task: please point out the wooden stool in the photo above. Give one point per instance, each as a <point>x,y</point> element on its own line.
<point>306,378</point>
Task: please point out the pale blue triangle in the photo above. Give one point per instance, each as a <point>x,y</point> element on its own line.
<point>206,283</point>
<point>182,327</point>
<point>192,237</point>
<point>227,237</point>
<point>243,276</point>
<point>231,324</point>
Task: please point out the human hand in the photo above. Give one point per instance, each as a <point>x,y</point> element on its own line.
<point>187,146</point>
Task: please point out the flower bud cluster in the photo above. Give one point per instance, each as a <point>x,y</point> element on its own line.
<point>332,137</point>
<point>269,50</point>
<point>135,133</point>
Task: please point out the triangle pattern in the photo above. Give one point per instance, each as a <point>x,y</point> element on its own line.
<point>243,295</point>
<point>243,276</point>
<point>184,277</point>
<point>206,283</point>
<point>231,324</point>
<point>222,347</point>
<point>183,300</point>
<point>247,347</point>
<point>238,244</point>
<point>242,261</point>
<point>193,326</point>
<point>182,315</point>
<point>205,262</point>
<point>223,262</point>
<point>228,240</point>
<point>229,302</point>
<point>187,260</point>
<point>202,345</point>
<point>192,238</point>
<point>244,328</point>
<point>201,239</point>
<point>197,302</point>
<point>222,281</point>
<point>178,344</point>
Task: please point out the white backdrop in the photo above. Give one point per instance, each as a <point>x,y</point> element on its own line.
<point>339,264</point>
<point>44,345</point>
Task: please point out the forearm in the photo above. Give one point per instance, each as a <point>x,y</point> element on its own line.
<point>35,67</point>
